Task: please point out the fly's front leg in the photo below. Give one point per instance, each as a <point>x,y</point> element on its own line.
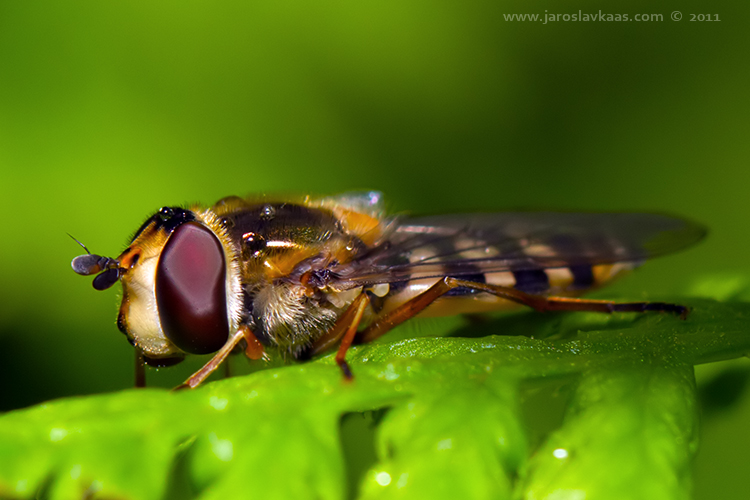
<point>254,349</point>
<point>196,378</point>
<point>414,306</point>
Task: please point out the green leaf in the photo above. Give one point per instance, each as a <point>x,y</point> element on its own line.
<point>640,421</point>
<point>454,425</point>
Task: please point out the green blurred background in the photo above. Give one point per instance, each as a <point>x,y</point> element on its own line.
<point>110,110</point>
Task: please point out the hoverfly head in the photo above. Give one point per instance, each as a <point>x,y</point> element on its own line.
<point>108,270</point>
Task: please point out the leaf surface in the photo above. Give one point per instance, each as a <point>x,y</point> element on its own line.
<point>454,425</point>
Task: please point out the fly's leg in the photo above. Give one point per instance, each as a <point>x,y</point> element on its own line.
<point>359,305</point>
<point>344,332</point>
<point>254,349</point>
<point>414,306</point>
<point>140,369</point>
<point>345,329</point>
<point>405,311</point>
<point>196,378</point>
<point>543,304</point>
<point>227,370</point>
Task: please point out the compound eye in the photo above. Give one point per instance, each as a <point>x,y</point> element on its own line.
<point>191,290</point>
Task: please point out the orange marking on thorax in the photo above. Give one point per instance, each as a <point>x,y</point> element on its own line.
<point>363,226</point>
<point>282,264</point>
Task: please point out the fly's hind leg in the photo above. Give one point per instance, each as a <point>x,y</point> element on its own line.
<point>543,304</point>
<point>414,306</point>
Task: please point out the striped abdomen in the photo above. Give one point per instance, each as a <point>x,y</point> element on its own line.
<point>563,281</point>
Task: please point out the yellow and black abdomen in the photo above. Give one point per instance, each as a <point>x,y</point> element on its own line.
<point>569,281</point>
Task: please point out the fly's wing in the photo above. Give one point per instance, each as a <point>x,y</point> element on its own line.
<point>364,202</point>
<point>465,245</point>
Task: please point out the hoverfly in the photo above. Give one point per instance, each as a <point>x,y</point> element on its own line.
<point>301,277</point>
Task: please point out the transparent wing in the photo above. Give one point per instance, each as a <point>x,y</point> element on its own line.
<point>462,245</point>
<point>365,202</point>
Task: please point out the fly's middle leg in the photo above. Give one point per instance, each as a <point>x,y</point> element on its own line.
<point>343,333</point>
